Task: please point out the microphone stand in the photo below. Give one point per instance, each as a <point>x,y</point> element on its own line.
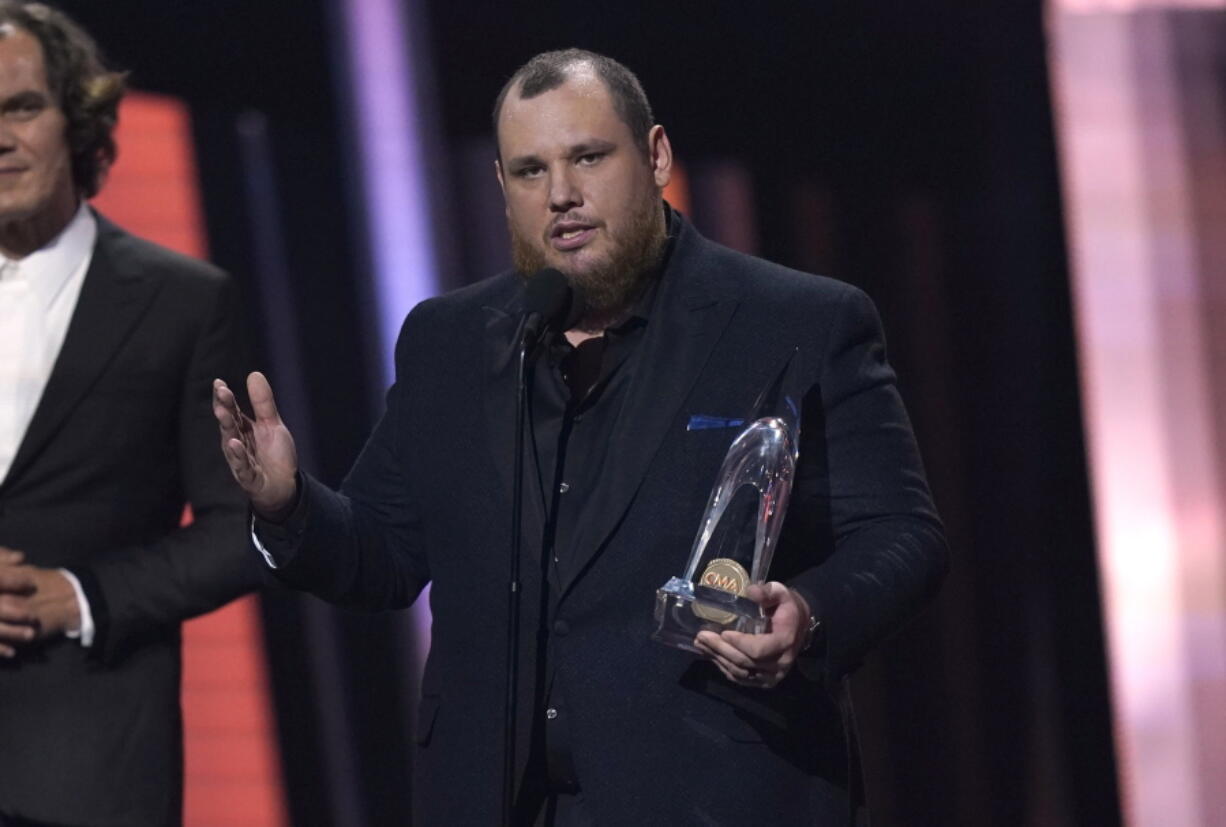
<point>517,504</point>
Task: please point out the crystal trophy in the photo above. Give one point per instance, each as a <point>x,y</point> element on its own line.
<point>737,535</point>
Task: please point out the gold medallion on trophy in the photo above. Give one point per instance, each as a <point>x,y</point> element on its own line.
<point>725,575</point>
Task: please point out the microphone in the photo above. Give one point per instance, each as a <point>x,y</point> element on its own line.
<point>550,303</point>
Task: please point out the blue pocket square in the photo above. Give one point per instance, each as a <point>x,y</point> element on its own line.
<point>702,422</point>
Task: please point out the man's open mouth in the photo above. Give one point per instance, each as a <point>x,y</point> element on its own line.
<point>570,235</point>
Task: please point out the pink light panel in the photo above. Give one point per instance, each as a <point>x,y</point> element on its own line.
<point>1144,166</point>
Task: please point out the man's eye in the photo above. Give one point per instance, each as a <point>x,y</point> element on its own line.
<point>590,158</point>
<point>527,172</point>
<point>24,109</point>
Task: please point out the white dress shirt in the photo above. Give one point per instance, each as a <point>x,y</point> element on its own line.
<point>38,295</point>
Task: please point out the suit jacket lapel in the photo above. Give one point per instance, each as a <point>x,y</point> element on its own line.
<point>691,313</point>
<point>114,296</point>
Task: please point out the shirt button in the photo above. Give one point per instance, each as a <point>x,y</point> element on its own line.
<point>551,713</point>
<point>563,488</point>
<point>561,627</point>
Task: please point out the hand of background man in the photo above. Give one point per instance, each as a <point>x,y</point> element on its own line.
<point>762,660</point>
<point>260,451</point>
<point>35,603</point>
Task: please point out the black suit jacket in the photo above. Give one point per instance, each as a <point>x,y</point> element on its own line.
<point>659,737</point>
<point>122,437</point>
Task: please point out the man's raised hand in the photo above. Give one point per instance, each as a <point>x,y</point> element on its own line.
<point>259,450</point>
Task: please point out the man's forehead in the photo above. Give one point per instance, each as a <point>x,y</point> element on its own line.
<point>21,55</point>
<point>579,110</point>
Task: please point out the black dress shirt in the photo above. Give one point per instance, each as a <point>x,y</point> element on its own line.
<point>576,397</point>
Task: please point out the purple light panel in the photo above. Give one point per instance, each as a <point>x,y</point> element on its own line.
<point>394,183</point>
<point>395,191</point>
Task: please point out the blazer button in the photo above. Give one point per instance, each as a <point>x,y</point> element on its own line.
<point>561,628</point>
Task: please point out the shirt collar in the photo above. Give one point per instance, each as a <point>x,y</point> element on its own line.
<point>49,268</point>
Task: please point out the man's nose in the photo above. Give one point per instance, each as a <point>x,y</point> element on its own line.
<point>564,192</point>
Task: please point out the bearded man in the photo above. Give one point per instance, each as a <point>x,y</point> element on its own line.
<point>620,730</point>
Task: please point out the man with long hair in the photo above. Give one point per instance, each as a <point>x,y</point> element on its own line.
<point>107,345</point>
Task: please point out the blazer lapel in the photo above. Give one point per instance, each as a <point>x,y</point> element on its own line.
<point>114,296</point>
<point>691,313</point>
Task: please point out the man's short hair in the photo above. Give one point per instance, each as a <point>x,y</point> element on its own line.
<point>549,70</point>
<point>86,91</point>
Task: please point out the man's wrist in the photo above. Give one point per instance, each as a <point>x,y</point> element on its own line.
<point>79,623</point>
<point>812,632</point>
<point>278,515</point>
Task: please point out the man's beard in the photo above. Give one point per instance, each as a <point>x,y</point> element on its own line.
<point>610,286</point>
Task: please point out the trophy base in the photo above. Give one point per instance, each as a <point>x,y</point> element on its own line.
<point>683,610</point>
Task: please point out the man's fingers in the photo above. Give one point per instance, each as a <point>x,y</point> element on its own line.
<point>729,672</point>
<point>767,594</point>
<point>241,464</point>
<point>758,648</point>
<point>16,580</point>
<point>754,676</point>
<point>760,660</point>
<point>734,671</point>
<point>225,407</point>
<point>263,405</point>
<point>236,451</point>
<point>15,611</point>
<point>16,633</point>
<point>222,395</point>
<point>10,557</point>
<point>719,647</point>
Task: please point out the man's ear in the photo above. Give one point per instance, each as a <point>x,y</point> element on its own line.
<point>502,185</point>
<point>660,155</point>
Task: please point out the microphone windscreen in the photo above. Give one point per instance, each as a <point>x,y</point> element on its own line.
<point>548,295</point>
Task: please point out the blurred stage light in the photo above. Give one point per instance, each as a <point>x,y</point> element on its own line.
<point>1142,132</point>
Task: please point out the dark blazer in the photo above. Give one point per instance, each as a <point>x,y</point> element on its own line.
<point>122,437</point>
<point>659,737</point>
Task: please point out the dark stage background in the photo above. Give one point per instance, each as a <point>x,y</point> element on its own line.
<point>908,151</point>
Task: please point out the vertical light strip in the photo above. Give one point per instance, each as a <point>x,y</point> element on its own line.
<point>1139,289</point>
<point>390,144</point>
<point>396,194</point>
